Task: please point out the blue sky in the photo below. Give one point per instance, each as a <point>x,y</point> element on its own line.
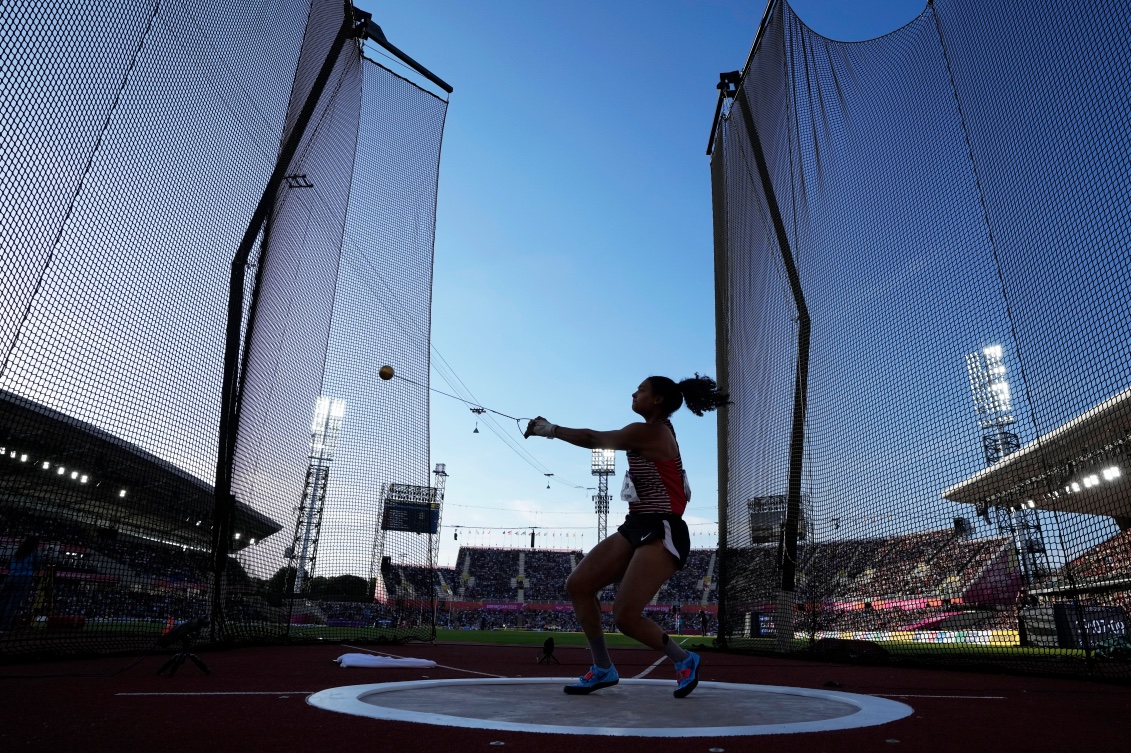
<point>574,234</point>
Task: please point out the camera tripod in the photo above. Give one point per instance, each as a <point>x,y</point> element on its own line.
<point>184,633</point>
<point>178,659</point>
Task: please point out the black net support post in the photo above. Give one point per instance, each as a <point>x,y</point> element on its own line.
<point>132,178</point>
<point>788,557</point>
<point>320,435</point>
<point>236,332</point>
<point>957,454</point>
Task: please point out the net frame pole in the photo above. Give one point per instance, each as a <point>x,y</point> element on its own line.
<point>728,88</point>
<point>739,76</point>
<point>225,506</point>
<point>374,33</point>
<point>722,368</point>
<point>784,616</point>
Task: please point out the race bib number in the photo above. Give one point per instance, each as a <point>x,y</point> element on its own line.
<point>628,489</point>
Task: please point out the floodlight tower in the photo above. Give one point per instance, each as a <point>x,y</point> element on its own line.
<point>986,369</point>
<point>324,432</point>
<point>603,465</point>
<point>441,474</point>
<point>988,383</point>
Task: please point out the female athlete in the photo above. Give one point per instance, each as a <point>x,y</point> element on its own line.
<point>653,542</point>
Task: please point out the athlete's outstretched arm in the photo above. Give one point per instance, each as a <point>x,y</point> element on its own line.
<point>631,437</point>
<point>641,437</point>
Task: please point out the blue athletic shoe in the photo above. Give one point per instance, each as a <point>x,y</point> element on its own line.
<point>595,679</point>
<point>686,675</point>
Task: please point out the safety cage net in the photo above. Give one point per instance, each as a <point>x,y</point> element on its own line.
<point>923,262</point>
<point>138,141</point>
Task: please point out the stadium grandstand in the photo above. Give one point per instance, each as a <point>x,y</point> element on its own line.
<point>929,581</point>
<point>123,535</point>
<point>501,588</point>
<point>1074,472</point>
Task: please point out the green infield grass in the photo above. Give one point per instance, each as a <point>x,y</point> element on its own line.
<point>537,638</point>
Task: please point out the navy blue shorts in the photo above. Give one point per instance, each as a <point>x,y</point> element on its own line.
<point>643,528</point>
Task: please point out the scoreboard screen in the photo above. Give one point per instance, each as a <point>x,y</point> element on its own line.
<point>767,518</point>
<point>412,509</point>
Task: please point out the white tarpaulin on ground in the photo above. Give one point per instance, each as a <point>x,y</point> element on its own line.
<point>369,660</point>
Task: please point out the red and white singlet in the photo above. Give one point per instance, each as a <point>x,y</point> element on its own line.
<point>656,486</point>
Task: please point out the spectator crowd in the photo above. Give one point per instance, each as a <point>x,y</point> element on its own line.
<point>83,571</point>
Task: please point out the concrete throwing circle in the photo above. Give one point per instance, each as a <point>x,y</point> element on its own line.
<point>640,708</point>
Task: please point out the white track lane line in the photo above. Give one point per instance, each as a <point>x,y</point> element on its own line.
<point>973,697</point>
<point>237,692</point>
<point>445,666</point>
<point>657,663</point>
<point>647,671</point>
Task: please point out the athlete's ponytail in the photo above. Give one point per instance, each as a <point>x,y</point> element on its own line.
<point>701,394</point>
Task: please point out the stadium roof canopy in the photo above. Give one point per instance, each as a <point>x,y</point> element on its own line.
<point>1056,470</point>
<point>160,502</point>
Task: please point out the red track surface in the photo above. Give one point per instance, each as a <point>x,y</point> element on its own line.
<point>954,711</point>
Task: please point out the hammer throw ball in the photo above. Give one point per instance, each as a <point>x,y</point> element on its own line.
<point>386,372</point>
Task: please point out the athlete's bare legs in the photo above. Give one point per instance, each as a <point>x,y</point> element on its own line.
<point>605,564</point>
<point>651,566</point>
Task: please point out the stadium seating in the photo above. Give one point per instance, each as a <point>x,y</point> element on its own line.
<point>908,582</point>
<point>1107,561</point>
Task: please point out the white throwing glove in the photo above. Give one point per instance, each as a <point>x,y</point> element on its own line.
<point>540,427</point>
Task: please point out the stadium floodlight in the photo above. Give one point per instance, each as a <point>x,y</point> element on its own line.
<point>603,462</point>
<point>23,458</point>
<point>1090,481</point>
<point>1111,474</point>
<point>986,369</point>
<point>74,474</point>
<point>602,465</point>
<point>326,426</point>
<point>84,479</point>
<point>122,493</point>
<point>1075,487</point>
<point>61,470</point>
<point>46,466</point>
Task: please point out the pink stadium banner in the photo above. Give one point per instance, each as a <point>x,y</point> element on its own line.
<point>92,577</point>
<point>506,606</point>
